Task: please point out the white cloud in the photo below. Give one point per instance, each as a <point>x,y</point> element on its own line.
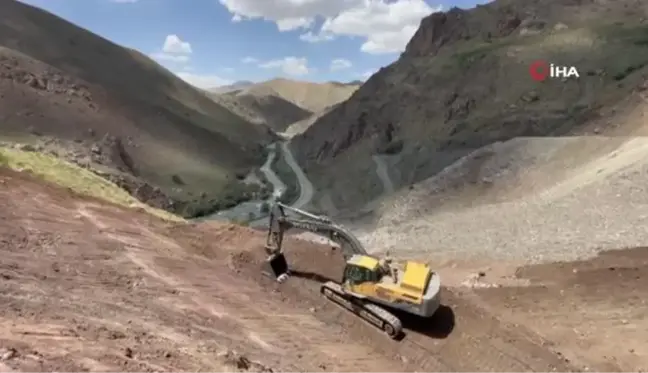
<point>173,44</point>
<point>289,65</point>
<point>174,50</point>
<point>313,38</point>
<point>287,14</point>
<point>340,64</point>
<point>203,81</point>
<point>385,25</point>
<point>289,24</point>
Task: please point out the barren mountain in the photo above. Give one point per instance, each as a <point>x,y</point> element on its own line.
<point>302,125</point>
<point>267,109</point>
<point>279,103</point>
<point>463,82</point>
<point>310,96</point>
<point>231,87</point>
<point>118,111</point>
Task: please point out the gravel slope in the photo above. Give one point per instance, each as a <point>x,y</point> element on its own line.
<point>383,174</point>
<point>596,199</point>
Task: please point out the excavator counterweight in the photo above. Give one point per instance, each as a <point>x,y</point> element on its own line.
<point>370,286</point>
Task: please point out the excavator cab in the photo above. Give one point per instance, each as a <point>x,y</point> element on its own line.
<point>361,274</point>
<point>361,269</point>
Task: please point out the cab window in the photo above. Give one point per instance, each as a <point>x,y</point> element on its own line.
<point>358,275</point>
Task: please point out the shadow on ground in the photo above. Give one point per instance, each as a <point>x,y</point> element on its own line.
<point>311,276</point>
<point>438,326</point>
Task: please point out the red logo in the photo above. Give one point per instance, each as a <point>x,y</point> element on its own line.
<point>539,71</point>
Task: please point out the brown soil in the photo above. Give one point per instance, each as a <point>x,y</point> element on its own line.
<point>91,286</point>
<point>592,311</point>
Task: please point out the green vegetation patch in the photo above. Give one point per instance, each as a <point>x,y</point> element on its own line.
<point>469,55</point>
<point>234,193</point>
<point>634,53</point>
<point>628,34</point>
<point>79,180</point>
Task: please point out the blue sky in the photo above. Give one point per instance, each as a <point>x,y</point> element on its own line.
<point>216,42</point>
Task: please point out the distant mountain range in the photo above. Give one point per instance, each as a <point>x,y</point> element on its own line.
<point>280,102</point>
<point>241,84</point>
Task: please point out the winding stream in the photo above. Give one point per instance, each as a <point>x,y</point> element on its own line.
<point>243,211</point>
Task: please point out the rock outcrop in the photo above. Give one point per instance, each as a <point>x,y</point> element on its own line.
<point>463,82</point>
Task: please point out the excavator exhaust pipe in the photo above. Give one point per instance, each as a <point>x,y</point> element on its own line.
<point>276,267</point>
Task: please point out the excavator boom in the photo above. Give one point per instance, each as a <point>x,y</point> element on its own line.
<point>280,222</point>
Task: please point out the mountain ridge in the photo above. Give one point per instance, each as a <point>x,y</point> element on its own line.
<point>280,102</point>
<point>462,83</point>
<point>102,103</point>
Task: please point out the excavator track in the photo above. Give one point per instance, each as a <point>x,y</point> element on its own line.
<point>371,313</point>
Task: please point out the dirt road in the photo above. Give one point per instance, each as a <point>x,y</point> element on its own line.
<point>306,189</point>
<point>279,187</point>
<point>90,286</point>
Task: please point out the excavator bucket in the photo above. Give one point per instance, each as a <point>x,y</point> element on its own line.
<point>276,266</point>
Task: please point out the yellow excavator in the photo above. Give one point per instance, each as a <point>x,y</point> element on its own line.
<point>372,288</point>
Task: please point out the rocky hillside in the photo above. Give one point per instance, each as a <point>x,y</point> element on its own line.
<point>63,83</point>
<point>302,125</point>
<point>463,82</point>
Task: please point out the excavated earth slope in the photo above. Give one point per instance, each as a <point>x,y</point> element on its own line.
<point>91,286</point>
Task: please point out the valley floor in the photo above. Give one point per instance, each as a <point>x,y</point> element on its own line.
<point>91,286</point>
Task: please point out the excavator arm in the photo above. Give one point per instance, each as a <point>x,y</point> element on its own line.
<point>280,222</point>
<point>371,299</point>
